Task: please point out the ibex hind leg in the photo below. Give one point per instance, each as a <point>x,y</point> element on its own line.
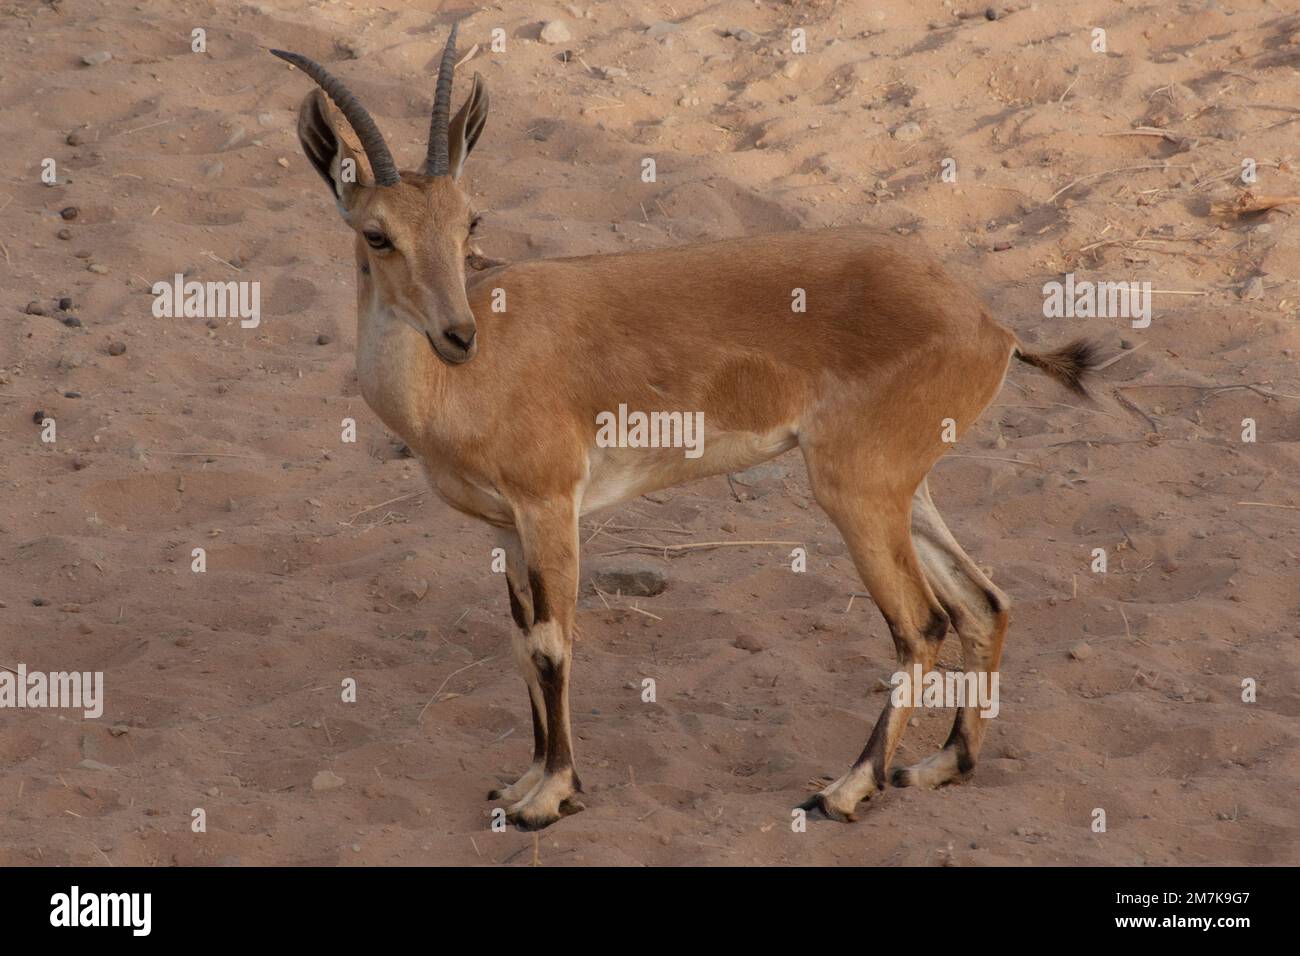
<point>979,613</point>
<point>873,518</point>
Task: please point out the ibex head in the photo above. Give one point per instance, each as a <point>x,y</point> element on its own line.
<point>412,228</point>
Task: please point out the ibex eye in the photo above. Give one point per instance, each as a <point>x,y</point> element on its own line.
<point>376,239</point>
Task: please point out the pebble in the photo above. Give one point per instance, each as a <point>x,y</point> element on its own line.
<point>741,34</point>
<point>64,233</point>
<point>38,416</point>
<point>98,269</point>
<point>991,13</point>
<point>65,303</point>
<point>69,212</point>
<point>117,347</point>
<point>1081,651</point>
<point>611,72</point>
<point>72,395</point>
<point>73,139</point>
<point>39,602</point>
<point>71,360</point>
<point>908,132</point>
<point>96,59</point>
<point>1126,343</point>
<point>35,308</point>
<point>556,31</point>
<point>265,119</point>
<point>323,339</point>
<point>72,322</point>
<point>633,578</point>
<point>792,69</point>
<point>1253,289</point>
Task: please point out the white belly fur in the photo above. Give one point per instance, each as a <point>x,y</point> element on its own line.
<point>619,474</point>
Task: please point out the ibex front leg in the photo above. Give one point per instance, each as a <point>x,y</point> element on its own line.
<point>521,609</point>
<point>549,534</point>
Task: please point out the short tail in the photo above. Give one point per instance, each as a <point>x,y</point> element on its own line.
<point>1069,365</point>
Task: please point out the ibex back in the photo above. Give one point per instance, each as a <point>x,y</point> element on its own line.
<point>504,407</point>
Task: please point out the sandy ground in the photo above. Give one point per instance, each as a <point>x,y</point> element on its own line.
<point>328,561</point>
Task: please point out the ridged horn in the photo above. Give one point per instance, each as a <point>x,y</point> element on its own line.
<point>438,160</point>
<point>372,141</point>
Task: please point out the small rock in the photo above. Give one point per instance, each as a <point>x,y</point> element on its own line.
<point>69,213</point>
<point>907,132</point>
<point>326,781</point>
<point>72,395</point>
<point>323,339</point>
<point>352,48</point>
<point>72,322</point>
<point>265,119</point>
<point>73,139</point>
<point>1126,343</point>
<point>65,303</point>
<point>70,360</point>
<point>1253,289</point>
<point>97,59</point>
<point>611,72</point>
<point>35,308</point>
<point>38,416</point>
<point>99,270</point>
<point>633,578</point>
<point>39,602</point>
<point>661,27</point>
<point>990,14</point>
<point>748,642</point>
<point>792,69</point>
<point>117,347</point>
<point>1081,651</point>
<point>119,730</point>
<point>556,31</point>
<point>64,233</point>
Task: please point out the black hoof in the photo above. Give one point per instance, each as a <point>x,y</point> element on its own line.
<point>817,804</point>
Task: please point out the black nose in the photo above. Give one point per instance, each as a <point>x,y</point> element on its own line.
<point>461,336</point>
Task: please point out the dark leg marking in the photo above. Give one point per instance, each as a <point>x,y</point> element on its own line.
<point>539,731</point>
<point>541,609</point>
<point>875,748</point>
<point>957,743</point>
<point>516,609</point>
<point>551,677</point>
<point>937,628</point>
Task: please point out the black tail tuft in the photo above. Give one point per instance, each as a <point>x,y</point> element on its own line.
<point>1069,364</point>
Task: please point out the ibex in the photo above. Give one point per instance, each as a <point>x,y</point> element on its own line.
<point>502,405</point>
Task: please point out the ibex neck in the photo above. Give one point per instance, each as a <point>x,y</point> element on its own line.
<point>401,379</point>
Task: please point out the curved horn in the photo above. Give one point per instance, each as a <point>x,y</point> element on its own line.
<point>438,160</point>
<point>372,141</point>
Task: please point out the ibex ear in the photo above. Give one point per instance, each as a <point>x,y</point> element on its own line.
<point>467,126</point>
<point>337,162</point>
